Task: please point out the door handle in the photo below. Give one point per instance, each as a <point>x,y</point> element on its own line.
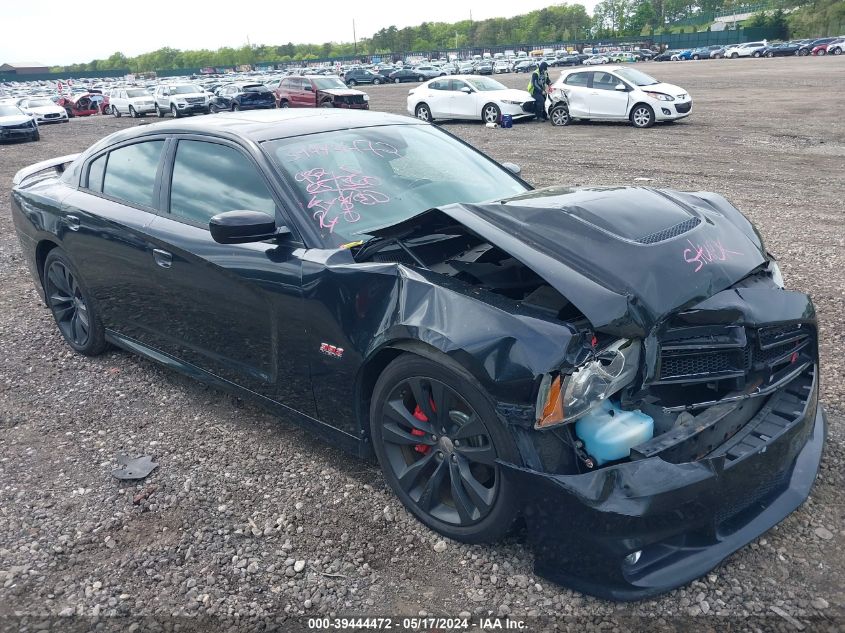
<point>72,222</point>
<point>163,258</point>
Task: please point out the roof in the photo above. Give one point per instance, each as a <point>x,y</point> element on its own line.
<point>24,65</point>
<point>265,125</point>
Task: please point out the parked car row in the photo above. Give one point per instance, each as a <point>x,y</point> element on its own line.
<point>800,48</point>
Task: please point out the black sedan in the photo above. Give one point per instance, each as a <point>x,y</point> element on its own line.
<point>783,49</point>
<point>621,367</point>
<point>242,96</point>
<point>405,74</point>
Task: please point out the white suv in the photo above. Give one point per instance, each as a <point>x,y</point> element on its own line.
<point>744,50</point>
<point>132,101</point>
<point>181,99</point>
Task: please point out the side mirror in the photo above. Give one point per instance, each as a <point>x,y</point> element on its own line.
<point>466,90</point>
<point>620,86</point>
<point>513,168</point>
<point>242,227</point>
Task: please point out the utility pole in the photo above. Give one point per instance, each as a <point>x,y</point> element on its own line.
<point>354,37</point>
<point>456,40</point>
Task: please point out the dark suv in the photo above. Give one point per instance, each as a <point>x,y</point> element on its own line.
<point>361,76</point>
<point>242,96</point>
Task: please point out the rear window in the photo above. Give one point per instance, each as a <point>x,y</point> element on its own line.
<point>255,88</point>
<point>131,172</point>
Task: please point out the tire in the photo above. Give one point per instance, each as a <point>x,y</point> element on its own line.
<point>491,113</point>
<point>235,106</point>
<point>696,57</point>
<point>70,302</point>
<point>175,112</point>
<point>420,78</point>
<point>423,112</point>
<point>836,51</point>
<point>755,54</point>
<point>822,53</point>
<point>36,136</point>
<point>160,112</point>
<point>802,52</point>
<point>770,54</point>
<point>327,104</point>
<point>132,112</point>
<point>642,116</point>
<point>559,115</point>
<point>734,55</point>
<point>115,112</point>
<point>456,451</point>
<point>376,82</point>
<point>352,82</point>
<point>284,104</point>
<point>212,109</point>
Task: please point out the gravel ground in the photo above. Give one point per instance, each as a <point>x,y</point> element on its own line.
<point>251,521</point>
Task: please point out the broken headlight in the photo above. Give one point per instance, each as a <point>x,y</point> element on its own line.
<point>562,399</point>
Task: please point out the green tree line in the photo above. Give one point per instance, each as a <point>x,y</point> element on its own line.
<point>556,23</point>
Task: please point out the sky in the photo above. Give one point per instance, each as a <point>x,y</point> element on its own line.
<point>55,32</point>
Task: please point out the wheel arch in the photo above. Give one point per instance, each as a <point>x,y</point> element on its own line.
<point>41,251</point>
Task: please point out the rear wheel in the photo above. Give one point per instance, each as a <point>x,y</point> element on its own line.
<point>235,106</point>
<point>770,54</point>
<point>116,112</point>
<point>559,115</point>
<point>327,104</point>
<point>160,111</point>
<point>397,80</point>
<point>642,116</point>
<point>420,78</point>
<point>696,57</point>
<point>755,54</point>
<point>822,52</point>
<point>734,55</point>
<point>71,305</point>
<point>491,113</point>
<point>284,104</point>
<point>213,109</point>
<point>352,82</point>
<point>423,112</point>
<point>437,438</point>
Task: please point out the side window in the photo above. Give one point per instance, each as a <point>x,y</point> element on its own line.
<point>209,178</point>
<point>296,84</point>
<point>456,84</point>
<point>131,172</point>
<point>577,79</point>
<point>440,84</point>
<point>604,81</point>
<point>95,173</point>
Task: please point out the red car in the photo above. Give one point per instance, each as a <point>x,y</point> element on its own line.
<point>834,48</point>
<point>84,104</point>
<point>319,91</point>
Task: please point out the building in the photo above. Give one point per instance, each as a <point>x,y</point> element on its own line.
<point>23,68</point>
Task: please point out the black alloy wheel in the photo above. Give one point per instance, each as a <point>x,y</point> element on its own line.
<point>437,439</point>
<point>72,309</point>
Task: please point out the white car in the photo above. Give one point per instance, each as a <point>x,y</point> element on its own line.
<point>595,60</point>
<point>621,93</point>
<point>745,50</point>
<point>468,97</point>
<point>43,110</point>
<point>181,99</point>
<point>135,102</point>
<point>501,66</point>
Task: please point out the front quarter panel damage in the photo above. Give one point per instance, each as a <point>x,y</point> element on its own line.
<point>366,308</point>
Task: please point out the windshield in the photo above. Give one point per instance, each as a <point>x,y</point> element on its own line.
<point>39,103</point>
<point>138,92</point>
<point>327,83</point>
<point>636,77</point>
<point>256,88</point>
<point>353,181</point>
<point>185,89</point>
<point>9,110</point>
<point>482,84</point>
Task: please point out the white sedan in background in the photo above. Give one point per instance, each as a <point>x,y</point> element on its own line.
<point>621,93</point>
<point>43,110</point>
<point>468,97</point>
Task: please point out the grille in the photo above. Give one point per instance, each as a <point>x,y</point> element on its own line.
<point>696,364</point>
<point>683,108</point>
<point>672,231</point>
<point>778,352</point>
<point>18,126</point>
<point>758,494</point>
<point>52,115</point>
<point>528,106</point>
<point>195,99</point>
<point>771,335</point>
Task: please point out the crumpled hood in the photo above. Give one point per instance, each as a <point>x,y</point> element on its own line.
<point>626,256</point>
<point>53,109</point>
<point>667,89</point>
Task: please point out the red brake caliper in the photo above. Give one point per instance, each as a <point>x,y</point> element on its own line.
<point>422,417</point>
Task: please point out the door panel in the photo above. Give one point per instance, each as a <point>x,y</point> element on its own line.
<point>605,101</point>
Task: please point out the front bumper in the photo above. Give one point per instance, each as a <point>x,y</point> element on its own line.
<point>10,133</point>
<point>684,519</point>
<point>144,108</point>
<point>671,110</point>
<point>51,118</point>
<point>192,107</point>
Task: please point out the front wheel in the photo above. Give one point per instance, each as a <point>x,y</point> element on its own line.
<point>376,82</point>
<point>160,111</point>
<point>755,54</point>
<point>437,438</point>
<point>397,80</point>
<point>734,55</point>
<point>491,113</point>
<point>175,112</point>
<point>836,51</point>
<point>212,109</point>
<point>423,112</point>
<point>235,107</point>
<point>696,57</point>
<point>133,113</point>
<point>420,78</point>
<point>71,305</point>
<point>559,115</point>
<point>352,82</point>
<point>770,54</point>
<point>822,53</point>
<point>115,112</point>
<point>642,116</point>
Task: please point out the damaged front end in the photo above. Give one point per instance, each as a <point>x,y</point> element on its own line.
<point>690,423</point>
